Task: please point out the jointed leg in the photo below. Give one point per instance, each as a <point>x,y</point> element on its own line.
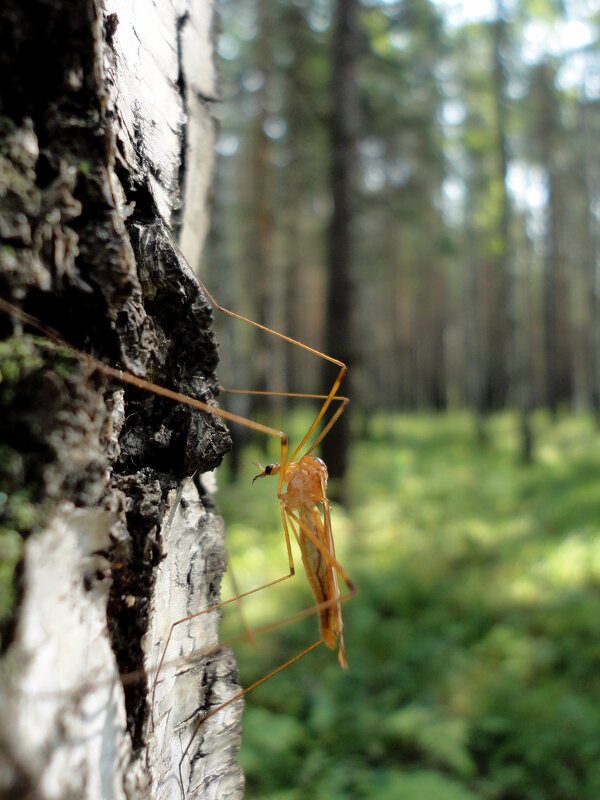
<point>239,696</point>
<point>330,424</point>
<point>140,383</point>
<point>216,607</point>
<point>336,399</point>
<point>236,593</point>
<point>328,398</point>
<point>305,613</point>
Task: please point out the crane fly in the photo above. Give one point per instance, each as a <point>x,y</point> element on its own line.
<point>306,481</point>
<point>301,489</point>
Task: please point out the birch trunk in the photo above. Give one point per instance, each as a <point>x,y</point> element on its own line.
<point>105,165</point>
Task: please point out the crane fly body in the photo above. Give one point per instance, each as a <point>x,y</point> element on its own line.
<point>306,481</point>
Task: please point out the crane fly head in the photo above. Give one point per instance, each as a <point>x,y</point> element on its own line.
<point>270,469</point>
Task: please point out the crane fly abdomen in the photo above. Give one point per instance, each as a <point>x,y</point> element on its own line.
<point>318,572</point>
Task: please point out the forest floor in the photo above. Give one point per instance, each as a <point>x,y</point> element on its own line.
<point>474,642</point>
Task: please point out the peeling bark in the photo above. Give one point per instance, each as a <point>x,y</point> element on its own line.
<point>106,148</point>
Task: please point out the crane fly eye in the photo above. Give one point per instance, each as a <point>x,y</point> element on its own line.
<point>269,469</point>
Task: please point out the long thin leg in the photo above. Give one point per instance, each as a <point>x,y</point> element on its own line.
<point>328,398</point>
<point>131,678</point>
<point>197,614</point>
<point>301,396</point>
<point>177,397</point>
<point>236,592</point>
<point>330,424</point>
<point>140,383</point>
<point>264,328</point>
<point>237,697</point>
<point>321,414</point>
<point>217,606</point>
<point>286,515</point>
<point>289,521</point>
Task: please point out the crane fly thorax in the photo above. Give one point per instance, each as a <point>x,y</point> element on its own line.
<point>305,480</point>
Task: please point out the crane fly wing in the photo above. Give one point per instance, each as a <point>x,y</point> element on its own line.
<point>336,610</point>
<point>321,574</point>
<point>317,568</point>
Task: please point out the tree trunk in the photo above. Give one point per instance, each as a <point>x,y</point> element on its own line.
<point>592,261</point>
<point>343,131</point>
<point>510,333</point>
<point>557,332</point>
<point>106,160</point>
<point>499,332</point>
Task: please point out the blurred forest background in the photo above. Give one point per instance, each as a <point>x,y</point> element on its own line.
<point>414,187</point>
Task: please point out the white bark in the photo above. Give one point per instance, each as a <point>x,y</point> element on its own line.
<point>66,711</point>
<point>193,536</point>
<point>65,732</point>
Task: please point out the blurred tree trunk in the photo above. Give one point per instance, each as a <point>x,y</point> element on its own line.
<point>343,132</point>
<point>262,212</point>
<point>508,324</point>
<point>297,255</point>
<point>592,259</point>
<point>106,154</point>
<point>557,346</point>
<point>475,341</point>
<point>500,330</point>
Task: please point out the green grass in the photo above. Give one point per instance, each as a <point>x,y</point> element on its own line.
<point>474,643</point>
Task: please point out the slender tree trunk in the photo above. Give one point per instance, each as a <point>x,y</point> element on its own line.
<point>556,323</point>
<point>500,330</point>
<point>592,264</point>
<point>298,260</point>
<point>475,341</point>
<point>512,342</point>
<point>106,162</point>
<point>262,239</point>
<point>343,132</point>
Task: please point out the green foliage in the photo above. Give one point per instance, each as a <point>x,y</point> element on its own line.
<point>474,641</point>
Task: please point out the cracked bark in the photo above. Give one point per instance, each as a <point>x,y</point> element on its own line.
<point>105,164</point>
